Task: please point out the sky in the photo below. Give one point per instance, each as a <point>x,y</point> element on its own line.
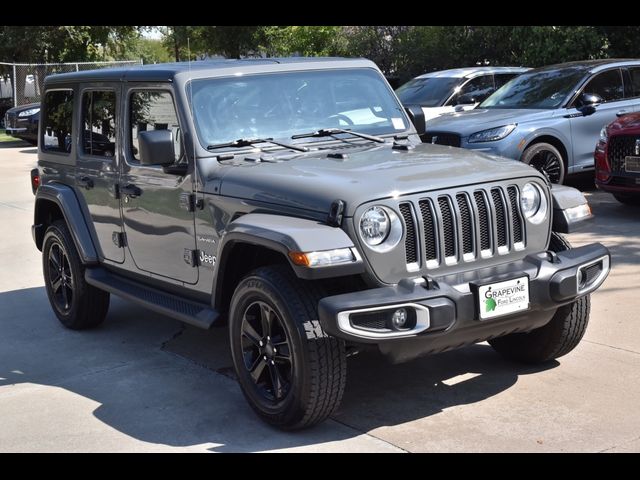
<point>154,33</point>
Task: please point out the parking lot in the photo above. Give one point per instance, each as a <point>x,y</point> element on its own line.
<point>143,382</point>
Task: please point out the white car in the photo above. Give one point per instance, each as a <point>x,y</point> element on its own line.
<point>454,90</point>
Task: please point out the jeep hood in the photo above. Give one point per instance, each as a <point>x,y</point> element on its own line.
<point>312,181</point>
<point>472,121</point>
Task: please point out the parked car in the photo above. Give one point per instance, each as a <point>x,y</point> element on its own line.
<point>452,90</point>
<point>549,118</point>
<point>293,199</point>
<point>22,122</point>
<point>617,157</point>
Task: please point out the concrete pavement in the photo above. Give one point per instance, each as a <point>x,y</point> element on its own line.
<point>143,382</point>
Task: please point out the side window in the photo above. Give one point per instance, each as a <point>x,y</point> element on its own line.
<point>502,78</point>
<point>475,90</point>
<point>153,110</point>
<point>606,84</point>
<point>99,123</point>
<point>57,121</point>
<point>633,90</point>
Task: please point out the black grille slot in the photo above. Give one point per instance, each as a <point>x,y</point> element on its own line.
<point>483,219</point>
<point>429,231</point>
<point>516,219</point>
<point>591,272</point>
<point>501,223</point>
<point>410,242</point>
<point>370,320</point>
<point>440,138</point>
<point>467,224</point>
<point>620,146</point>
<point>448,228</point>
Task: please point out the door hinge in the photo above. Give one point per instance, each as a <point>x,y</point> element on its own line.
<point>191,257</point>
<point>190,203</point>
<point>119,239</point>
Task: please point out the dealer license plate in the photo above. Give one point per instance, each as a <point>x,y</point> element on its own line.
<point>632,164</point>
<point>503,298</point>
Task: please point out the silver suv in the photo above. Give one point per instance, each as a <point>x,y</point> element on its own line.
<point>454,90</point>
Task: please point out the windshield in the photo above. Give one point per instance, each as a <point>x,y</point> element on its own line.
<point>427,92</point>
<point>546,89</point>
<point>281,105</point>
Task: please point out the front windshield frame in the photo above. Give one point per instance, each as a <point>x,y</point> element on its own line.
<point>574,80</point>
<point>391,130</point>
<point>455,84</point>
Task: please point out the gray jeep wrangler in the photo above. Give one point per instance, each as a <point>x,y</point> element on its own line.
<point>292,198</point>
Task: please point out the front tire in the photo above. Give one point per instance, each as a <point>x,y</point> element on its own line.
<point>555,339</point>
<point>290,371</point>
<point>77,304</point>
<point>547,159</point>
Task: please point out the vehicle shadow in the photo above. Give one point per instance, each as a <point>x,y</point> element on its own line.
<point>161,383</point>
<point>31,151</point>
<point>13,144</point>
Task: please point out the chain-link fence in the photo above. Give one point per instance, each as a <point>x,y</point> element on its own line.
<point>23,83</point>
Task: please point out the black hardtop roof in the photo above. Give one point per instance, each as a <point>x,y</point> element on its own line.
<point>166,71</point>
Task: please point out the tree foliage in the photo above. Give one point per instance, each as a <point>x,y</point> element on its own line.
<point>400,51</point>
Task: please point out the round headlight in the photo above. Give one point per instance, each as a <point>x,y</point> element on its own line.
<point>534,204</point>
<point>374,226</point>
<point>530,200</point>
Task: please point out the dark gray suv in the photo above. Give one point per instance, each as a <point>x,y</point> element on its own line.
<point>293,199</point>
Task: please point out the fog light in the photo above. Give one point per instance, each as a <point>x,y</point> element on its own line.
<point>399,318</point>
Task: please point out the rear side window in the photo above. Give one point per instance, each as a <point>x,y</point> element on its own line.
<point>152,110</point>
<point>57,121</point>
<point>635,82</point>
<point>99,123</point>
<point>606,84</point>
<point>502,78</point>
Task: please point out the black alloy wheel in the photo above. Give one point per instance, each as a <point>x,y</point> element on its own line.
<point>61,279</point>
<point>266,351</point>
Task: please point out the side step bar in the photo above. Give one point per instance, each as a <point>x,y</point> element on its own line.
<point>193,313</point>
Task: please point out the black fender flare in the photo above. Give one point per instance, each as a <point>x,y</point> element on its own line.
<point>564,198</point>
<point>64,197</point>
<point>284,234</point>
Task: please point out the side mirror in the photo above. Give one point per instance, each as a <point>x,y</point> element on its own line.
<point>156,147</point>
<point>416,115</point>
<point>587,103</point>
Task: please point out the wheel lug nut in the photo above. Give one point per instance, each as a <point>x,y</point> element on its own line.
<point>264,358</point>
<point>261,343</point>
<point>274,350</point>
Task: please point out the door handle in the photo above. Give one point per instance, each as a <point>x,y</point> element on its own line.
<point>85,182</point>
<point>620,113</point>
<point>131,191</point>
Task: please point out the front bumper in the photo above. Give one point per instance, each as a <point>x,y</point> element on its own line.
<point>452,319</point>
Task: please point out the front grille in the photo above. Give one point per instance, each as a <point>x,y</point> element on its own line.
<point>441,138</point>
<point>464,226</point>
<point>621,146</point>
<point>370,320</point>
<point>11,120</point>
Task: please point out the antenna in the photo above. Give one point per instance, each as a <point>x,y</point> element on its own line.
<point>193,120</point>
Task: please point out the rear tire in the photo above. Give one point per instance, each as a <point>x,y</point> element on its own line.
<point>555,339</point>
<point>628,199</point>
<point>77,304</point>
<point>290,371</point>
<point>547,159</point>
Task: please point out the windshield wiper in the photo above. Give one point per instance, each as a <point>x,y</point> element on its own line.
<point>328,132</point>
<point>247,142</point>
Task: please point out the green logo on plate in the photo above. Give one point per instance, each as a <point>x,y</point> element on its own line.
<point>490,304</point>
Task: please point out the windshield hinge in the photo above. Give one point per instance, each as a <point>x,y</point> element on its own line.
<point>336,213</point>
<point>190,203</point>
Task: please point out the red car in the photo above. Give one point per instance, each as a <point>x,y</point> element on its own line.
<point>617,159</point>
